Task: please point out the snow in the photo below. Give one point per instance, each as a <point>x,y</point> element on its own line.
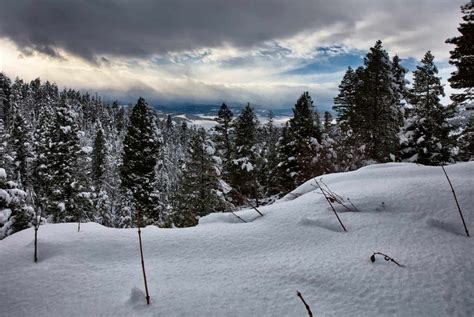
<point>65,129</point>
<point>87,149</point>
<point>224,267</point>
<point>247,166</point>
<point>3,174</point>
<point>206,124</point>
<point>61,206</point>
<point>5,215</point>
<point>5,196</point>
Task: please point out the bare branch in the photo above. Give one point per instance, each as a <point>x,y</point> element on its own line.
<point>308,309</point>
<point>456,199</point>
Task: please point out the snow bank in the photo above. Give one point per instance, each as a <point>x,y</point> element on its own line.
<point>224,267</point>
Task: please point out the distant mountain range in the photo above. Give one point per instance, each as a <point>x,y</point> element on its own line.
<point>212,109</point>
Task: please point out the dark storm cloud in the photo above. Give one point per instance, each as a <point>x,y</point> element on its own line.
<point>140,28</point>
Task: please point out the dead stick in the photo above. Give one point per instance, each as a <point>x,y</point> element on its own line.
<point>386,258</point>
<point>339,198</point>
<point>332,207</point>
<point>238,216</point>
<point>141,254</point>
<point>310,314</point>
<point>37,224</point>
<point>456,199</point>
<point>334,197</point>
<point>252,206</point>
<point>355,208</point>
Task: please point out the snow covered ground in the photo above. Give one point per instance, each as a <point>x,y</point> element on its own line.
<point>224,267</point>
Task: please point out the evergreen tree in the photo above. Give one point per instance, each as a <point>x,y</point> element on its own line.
<point>287,164</point>
<point>399,81</point>
<point>300,145</point>
<point>348,145</point>
<point>466,140</point>
<point>62,165</point>
<point>199,192</point>
<point>140,149</point>
<point>42,174</point>
<point>101,198</point>
<point>15,214</point>
<point>268,167</point>
<point>20,145</point>
<point>4,98</point>
<point>327,121</point>
<point>345,101</point>
<point>223,137</point>
<point>98,157</point>
<point>170,162</point>
<point>463,56</point>
<point>369,106</point>
<point>428,140</point>
<point>243,176</point>
<point>379,106</point>
<point>463,79</point>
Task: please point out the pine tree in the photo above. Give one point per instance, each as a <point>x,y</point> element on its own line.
<point>170,162</point>
<point>466,140</point>
<point>223,138</point>
<point>268,164</point>
<point>327,121</point>
<point>5,84</point>
<point>300,145</point>
<point>244,159</point>
<point>98,157</point>
<point>20,145</point>
<point>15,214</point>
<point>345,101</point>
<point>140,149</point>
<point>463,79</point>
<point>101,198</point>
<point>399,81</point>
<point>349,145</point>
<point>369,105</point>
<point>380,106</point>
<point>42,174</point>
<point>199,192</point>
<point>428,140</point>
<point>463,56</point>
<point>62,164</point>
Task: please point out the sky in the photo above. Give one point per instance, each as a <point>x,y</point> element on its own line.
<point>266,52</point>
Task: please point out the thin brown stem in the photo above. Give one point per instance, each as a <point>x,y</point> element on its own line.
<point>456,199</point>
<point>141,255</point>
<point>386,258</point>
<point>308,309</point>
<point>332,207</point>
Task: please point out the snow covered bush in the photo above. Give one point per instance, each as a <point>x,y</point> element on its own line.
<point>15,214</point>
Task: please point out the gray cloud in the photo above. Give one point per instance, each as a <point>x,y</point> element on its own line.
<point>140,28</point>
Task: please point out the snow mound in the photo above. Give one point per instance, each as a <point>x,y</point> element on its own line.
<point>224,267</point>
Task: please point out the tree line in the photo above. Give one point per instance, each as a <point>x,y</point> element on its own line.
<point>69,156</point>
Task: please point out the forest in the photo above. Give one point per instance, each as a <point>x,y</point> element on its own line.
<point>69,156</point>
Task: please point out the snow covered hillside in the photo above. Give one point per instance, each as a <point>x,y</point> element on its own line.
<point>224,267</point>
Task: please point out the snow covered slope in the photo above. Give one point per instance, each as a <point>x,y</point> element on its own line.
<point>224,267</point>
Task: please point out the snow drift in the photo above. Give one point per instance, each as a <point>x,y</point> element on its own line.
<point>224,267</point>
